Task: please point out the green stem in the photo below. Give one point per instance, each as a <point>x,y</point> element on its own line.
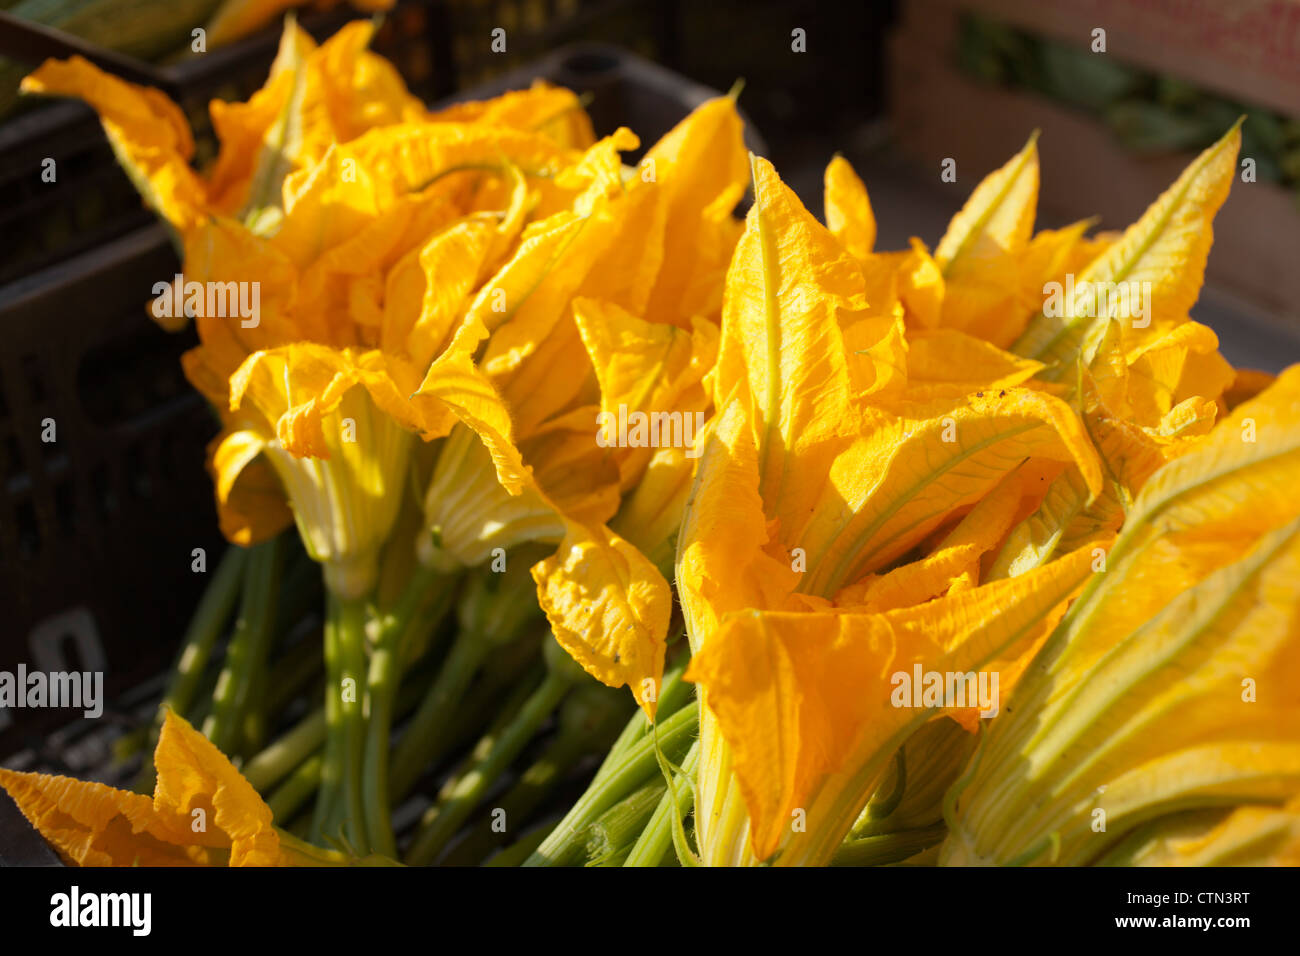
<point>525,846</point>
<point>331,773</point>
<point>533,786</point>
<point>421,593</point>
<point>538,782</point>
<point>352,644</point>
<point>496,717</point>
<point>202,706</point>
<point>250,646</point>
<point>299,786</point>
<point>491,702</point>
<point>676,692</point>
<point>657,837</point>
<point>490,718</point>
<point>207,624</point>
<point>381,687</point>
<point>252,726</point>
<point>441,821</point>
<point>209,620</point>
<point>274,763</point>
<point>293,672</point>
<point>301,853</point>
<point>339,805</point>
<point>614,832</point>
<point>291,795</point>
<point>425,735</point>
<point>422,605</point>
<point>888,847</point>
<point>624,774</point>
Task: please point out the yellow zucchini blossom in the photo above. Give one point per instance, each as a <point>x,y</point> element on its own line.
<point>1166,698</point>
<point>857,484</point>
<point>357,224</point>
<point>837,453</point>
<point>606,315</point>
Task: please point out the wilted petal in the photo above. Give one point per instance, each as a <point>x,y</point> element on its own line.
<point>148,133</point>
<point>609,608</point>
<point>194,775</point>
<point>91,824</point>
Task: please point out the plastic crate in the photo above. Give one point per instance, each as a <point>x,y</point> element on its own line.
<point>93,201</point>
<point>532,27</point>
<point>97,529</point>
<point>624,90</point>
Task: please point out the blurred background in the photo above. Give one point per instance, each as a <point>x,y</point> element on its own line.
<point>96,530</point>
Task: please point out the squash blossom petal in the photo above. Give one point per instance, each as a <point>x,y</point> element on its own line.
<point>1175,229</point>
<point>1152,382</point>
<point>239,18</point>
<point>334,426</point>
<point>202,813</point>
<point>315,97</point>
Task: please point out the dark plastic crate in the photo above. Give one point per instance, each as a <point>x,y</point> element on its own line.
<point>93,201</point>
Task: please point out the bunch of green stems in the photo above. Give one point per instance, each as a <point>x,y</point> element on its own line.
<point>455,666</point>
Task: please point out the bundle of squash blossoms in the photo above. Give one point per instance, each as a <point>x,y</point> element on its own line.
<point>974,555</point>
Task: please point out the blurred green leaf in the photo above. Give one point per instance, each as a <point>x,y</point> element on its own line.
<point>1265,129</point>
<point>1290,164</point>
<point>1147,128</point>
<point>1090,80</point>
<point>1175,93</point>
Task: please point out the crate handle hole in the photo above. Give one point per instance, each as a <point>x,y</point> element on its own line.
<point>589,63</point>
